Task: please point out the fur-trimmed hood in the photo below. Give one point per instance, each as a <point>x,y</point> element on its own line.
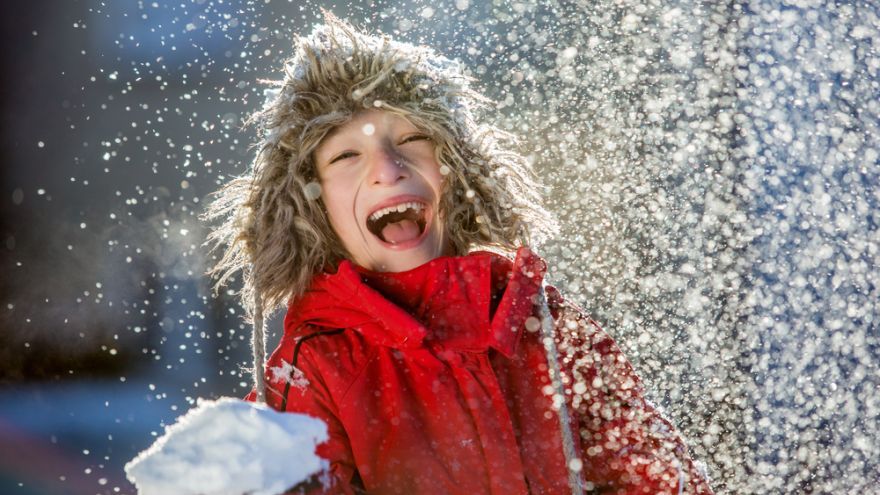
<point>274,226</point>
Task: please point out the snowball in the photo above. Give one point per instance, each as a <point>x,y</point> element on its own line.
<point>230,447</point>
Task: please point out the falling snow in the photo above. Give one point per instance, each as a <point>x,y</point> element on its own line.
<point>287,373</point>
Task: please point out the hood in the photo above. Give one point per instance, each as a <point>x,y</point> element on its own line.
<point>338,70</point>
<point>466,302</point>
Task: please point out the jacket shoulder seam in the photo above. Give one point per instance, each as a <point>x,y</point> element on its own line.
<point>303,339</point>
<point>295,358</point>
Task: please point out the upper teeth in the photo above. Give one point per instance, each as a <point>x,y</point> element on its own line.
<point>402,207</point>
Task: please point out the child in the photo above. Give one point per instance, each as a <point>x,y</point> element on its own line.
<point>372,185</point>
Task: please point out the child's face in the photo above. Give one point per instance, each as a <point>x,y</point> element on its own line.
<point>381,186</point>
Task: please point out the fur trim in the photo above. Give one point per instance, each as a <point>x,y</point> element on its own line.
<point>273,226</point>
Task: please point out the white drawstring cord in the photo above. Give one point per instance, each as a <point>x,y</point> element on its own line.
<point>258,343</point>
<point>680,479</point>
<point>549,333</point>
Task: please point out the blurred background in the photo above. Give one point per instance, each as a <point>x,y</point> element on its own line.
<point>714,166</point>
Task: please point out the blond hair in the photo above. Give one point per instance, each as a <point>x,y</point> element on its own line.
<point>273,226</point>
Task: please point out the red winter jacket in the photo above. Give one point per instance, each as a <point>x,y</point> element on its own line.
<point>435,381</point>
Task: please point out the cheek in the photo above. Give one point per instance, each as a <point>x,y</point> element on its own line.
<point>338,203</point>
<point>432,176</point>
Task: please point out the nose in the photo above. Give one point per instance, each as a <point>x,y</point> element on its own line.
<point>387,168</point>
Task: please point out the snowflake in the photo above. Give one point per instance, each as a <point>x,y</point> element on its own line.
<point>290,374</point>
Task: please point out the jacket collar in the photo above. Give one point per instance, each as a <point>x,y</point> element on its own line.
<point>469,302</point>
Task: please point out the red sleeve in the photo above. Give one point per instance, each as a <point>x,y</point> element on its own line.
<point>301,390</point>
<point>628,446</point>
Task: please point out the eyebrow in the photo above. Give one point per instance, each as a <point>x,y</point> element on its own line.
<point>324,143</point>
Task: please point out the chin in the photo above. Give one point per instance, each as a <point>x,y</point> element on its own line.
<point>403,258</point>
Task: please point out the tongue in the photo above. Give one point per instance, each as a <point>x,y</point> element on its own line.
<point>402,231</point>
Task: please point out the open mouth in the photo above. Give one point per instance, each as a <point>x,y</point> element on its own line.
<point>399,223</point>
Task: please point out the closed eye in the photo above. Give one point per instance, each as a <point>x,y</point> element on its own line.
<point>342,156</point>
<point>415,137</point>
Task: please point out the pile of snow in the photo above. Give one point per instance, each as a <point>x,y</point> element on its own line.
<point>230,447</point>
